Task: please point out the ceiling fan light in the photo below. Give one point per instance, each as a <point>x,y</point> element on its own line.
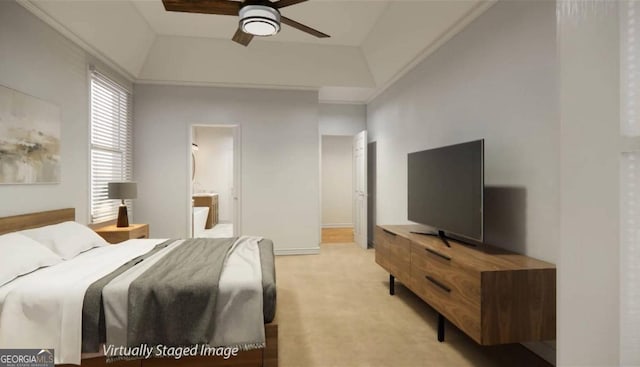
<point>260,27</point>
<point>259,20</point>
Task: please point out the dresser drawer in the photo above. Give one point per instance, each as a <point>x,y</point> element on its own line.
<point>393,253</point>
<point>394,267</point>
<point>450,288</point>
<point>447,271</point>
<point>449,301</point>
<point>394,245</point>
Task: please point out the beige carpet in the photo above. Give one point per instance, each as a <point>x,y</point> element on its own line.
<point>334,309</point>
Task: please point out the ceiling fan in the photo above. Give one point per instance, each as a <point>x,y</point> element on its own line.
<point>257,17</point>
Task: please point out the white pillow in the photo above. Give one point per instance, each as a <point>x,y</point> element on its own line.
<point>66,239</point>
<point>20,255</point>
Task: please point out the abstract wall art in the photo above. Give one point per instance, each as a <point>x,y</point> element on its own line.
<point>29,139</point>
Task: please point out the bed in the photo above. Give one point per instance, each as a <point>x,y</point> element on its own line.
<point>136,257</point>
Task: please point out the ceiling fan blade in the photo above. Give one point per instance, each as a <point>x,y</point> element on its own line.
<point>282,3</point>
<point>242,38</point>
<point>221,7</point>
<point>302,27</point>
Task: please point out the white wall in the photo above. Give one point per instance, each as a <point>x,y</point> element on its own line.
<point>588,278</point>
<point>280,159</point>
<point>214,166</point>
<point>495,80</point>
<point>37,60</point>
<point>337,181</point>
<point>112,28</point>
<point>406,28</point>
<point>342,119</point>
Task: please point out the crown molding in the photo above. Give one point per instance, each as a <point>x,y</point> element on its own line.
<point>180,83</point>
<point>342,101</point>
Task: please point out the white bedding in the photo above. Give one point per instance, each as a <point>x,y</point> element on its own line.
<point>46,305</point>
<point>239,306</point>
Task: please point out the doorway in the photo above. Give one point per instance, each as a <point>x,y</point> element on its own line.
<point>214,176</point>
<point>337,188</point>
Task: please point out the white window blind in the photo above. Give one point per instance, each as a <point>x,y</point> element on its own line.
<point>630,183</point>
<point>111,144</point>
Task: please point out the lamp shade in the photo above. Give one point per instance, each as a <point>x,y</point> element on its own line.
<point>122,190</point>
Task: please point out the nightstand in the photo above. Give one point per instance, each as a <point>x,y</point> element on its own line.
<point>115,234</point>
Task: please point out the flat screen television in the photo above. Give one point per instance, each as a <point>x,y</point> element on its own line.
<point>446,187</point>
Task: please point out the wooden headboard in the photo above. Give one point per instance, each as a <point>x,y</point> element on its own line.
<point>34,220</point>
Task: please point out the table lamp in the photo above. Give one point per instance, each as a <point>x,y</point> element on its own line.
<point>122,191</point>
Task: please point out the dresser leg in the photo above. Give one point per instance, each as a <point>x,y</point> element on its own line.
<point>440,328</point>
<point>392,285</point>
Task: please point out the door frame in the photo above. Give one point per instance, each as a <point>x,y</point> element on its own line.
<point>237,175</point>
<point>360,236</point>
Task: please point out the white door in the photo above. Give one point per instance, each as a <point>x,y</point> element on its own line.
<point>360,189</point>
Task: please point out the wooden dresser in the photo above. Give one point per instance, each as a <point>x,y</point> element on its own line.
<point>493,295</point>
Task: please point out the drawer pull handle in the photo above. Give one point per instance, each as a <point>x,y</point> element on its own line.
<point>389,232</point>
<point>437,283</point>
<point>438,254</point>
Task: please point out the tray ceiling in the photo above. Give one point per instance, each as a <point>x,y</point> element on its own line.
<point>372,42</point>
<point>348,22</point>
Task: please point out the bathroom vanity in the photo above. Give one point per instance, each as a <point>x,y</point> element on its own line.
<point>209,200</point>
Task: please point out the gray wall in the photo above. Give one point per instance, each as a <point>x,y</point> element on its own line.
<point>495,80</point>
<point>342,119</point>
<point>37,60</point>
<point>279,156</point>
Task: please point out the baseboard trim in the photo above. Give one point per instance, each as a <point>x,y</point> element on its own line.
<point>297,251</point>
<point>544,350</point>
<point>338,225</point>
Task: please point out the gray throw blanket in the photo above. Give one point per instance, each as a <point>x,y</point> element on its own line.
<point>173,302</point>
<point>172,294</point>
<point>93,320</point>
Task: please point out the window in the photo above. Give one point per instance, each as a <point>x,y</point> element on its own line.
<point>111,144</point>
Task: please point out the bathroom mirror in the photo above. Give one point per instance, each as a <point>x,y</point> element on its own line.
<point>193,166</point>
<point>194,148</point>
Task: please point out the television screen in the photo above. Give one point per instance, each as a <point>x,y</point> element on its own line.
<point>446,188</point>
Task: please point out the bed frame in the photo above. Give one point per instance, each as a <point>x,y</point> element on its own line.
<point>267,357</point>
